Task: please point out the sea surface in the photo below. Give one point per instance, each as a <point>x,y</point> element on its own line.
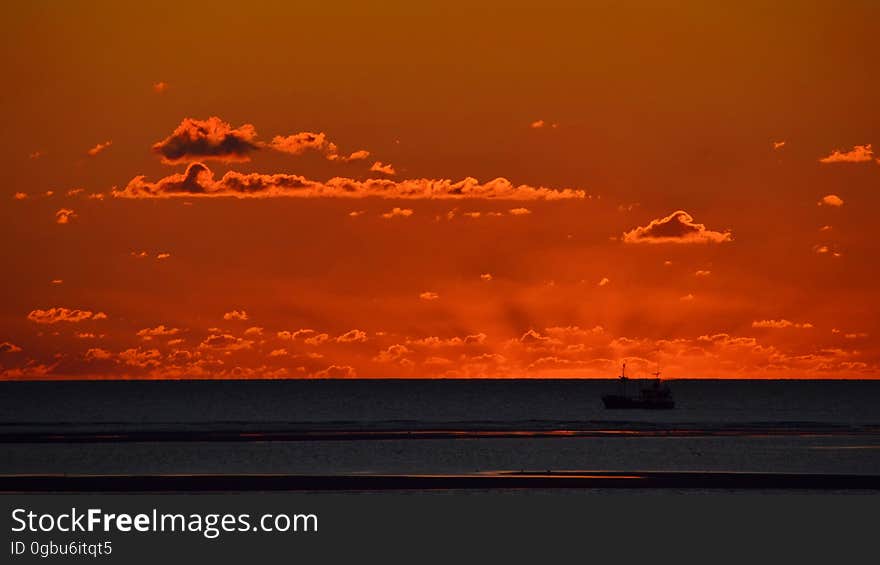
<point>420,427</point>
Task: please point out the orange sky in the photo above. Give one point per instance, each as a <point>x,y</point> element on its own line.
<point>440,190</point>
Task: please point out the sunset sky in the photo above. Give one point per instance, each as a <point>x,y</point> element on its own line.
<point>407,189</point>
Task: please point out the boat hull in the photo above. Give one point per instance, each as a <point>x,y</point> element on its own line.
<point>619,402</point>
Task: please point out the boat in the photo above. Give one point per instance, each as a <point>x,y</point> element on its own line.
<point>655,396</point>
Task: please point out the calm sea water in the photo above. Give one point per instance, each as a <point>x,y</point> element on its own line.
<point>778,426</point>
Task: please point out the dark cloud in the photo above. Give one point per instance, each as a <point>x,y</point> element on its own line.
<point>678,227</point>
<point>198,180</point>
<point>195,140</point>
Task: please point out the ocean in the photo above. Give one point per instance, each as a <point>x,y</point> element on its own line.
<point>434,427</point>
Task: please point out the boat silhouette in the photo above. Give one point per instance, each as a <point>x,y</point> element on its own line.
<point>654,396</point>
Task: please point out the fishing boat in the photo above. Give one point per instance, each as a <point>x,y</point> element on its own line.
<point>654,396</point>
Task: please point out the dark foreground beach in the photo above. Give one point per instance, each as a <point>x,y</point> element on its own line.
<point>435,435</point>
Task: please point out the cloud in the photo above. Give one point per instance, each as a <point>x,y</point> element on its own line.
<point>435,342</point>
<point>140,358</point>
<point>199,181</point>
<point>98,148</point>
<point>225,342</point>
<point>317,339</point>
<point>398,213</point>
<point>20,195</point>
<point>520,212</point>
<point>87,335</point>
<point>537,124</point>
<point>240,315</point>
<point>213,138</point>
<point>826,250</point>
<point>778,144</point>
<point>687,298</point>
<point>603,282</point>
<point>96,354</point>
<point>858,154</point>
<point>160,87</point>
<point>57,281</point>
<point>358,155</point>
<point>254,331</point>
<point>161,256</point>
<point>64,216</point>
<point>702,273</point>
<point>352,336</point>
<point>428,295</point>
<point>394,353</point>
<point>147,334</point>
<point>831,200</point>
<point>336,372</point>
<point>299,143</point>
<point>678,227</point>
<point>486,277</point>
<point>385,169</point>
<point>284,334</point>
<point>60,314</point>
<point>780,324</point>
<point>7,347</point>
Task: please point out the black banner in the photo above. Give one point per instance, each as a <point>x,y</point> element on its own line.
<point>516,527</point>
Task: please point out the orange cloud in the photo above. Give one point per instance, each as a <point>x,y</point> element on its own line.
<point>520,211</point>
<point>160,87</point>
<point>678,227</point>
<point>831,200</point>
<point>98,148</point>
<point>702,273</point>
<point>161,256</point>
<point>299,143</point>
<point>7,347</point>
<point>394,353</point>
<point>778,144</point>
<point>359,155</point>
<point>240,315</point>
<point>780,324</point>
<point>317,339</point>
<point>199,181</point>
<point>64,216</point>
<point>20,195</point>
<point>826,250</point>
<point>336,372</point>
<point>352,336</point>
<point>284,334</point>
<point>435,342</point>
<point>207,139</point>
<point>147,334</point>
<point>225,343</point>
<point>385,169</point>
<point>60,314</point>
<point>428,295</point>
<point>398,213</point>
<point>96,353</point>
<point>603,282</point>
<point>858,154</point>
<point>486,277</point>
